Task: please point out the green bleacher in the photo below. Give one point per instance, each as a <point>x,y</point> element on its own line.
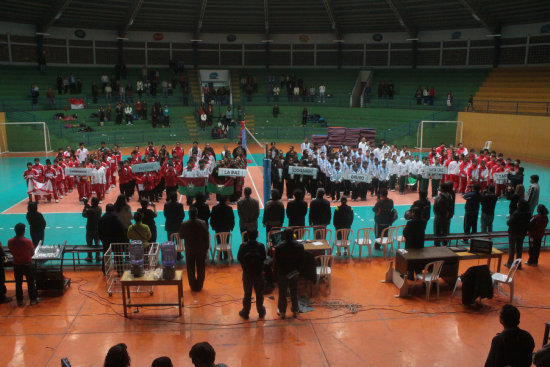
<point>338,82</point>
<point>462,82</point>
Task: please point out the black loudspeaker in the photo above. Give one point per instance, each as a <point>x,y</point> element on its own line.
<point>481,246</point>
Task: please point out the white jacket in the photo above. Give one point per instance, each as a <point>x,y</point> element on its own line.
<point>98,175</point>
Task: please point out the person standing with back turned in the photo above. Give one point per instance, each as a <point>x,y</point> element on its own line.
<point>22,251</point>
<point>248,209</point>
<point>288,257</point>
<point>194,234</point>
<point>252,256</point>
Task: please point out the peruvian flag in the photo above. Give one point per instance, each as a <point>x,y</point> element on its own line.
<point>76,103</point>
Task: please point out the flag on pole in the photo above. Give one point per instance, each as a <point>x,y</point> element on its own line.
<point>76,103</point>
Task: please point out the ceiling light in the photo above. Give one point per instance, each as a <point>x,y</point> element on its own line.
<point>475,16</point>
<point>42,34</point>
<point>338,41</point>
<point>122,38</point>
<point>57,16</point>
<point>412,39</point>
<point>494,35</point>
<point>197,40</point>
<point>131,21</point>
<point>267,41</point>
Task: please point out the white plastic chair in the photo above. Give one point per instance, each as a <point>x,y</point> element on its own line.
<point>363,238</point>
<point>324,270</point>
<point>398,235</point>
<point>301,233</point>
<point>428,277</point>
<point>499,278</point>
<point>345,235</point>
<point>386,240</point>
<point>224,239</point>
<point>175,237</point>
<point>458,281</point>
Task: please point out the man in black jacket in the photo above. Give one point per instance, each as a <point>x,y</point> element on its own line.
<point>111,230</point>
<point>383,214</point>
<point>343,218</point>
<point>443,212</point>
<point>513,346</point>
<point>488,203</point>
<point>174,214</point>
<point>252,256</point>
<point>222,219</point>
<point>194,233</point>
<point>296,210</point>
<point>319,210</point>
<point>92,214</point>
<point>415,230</point>
<point>424,204</point>
<point>471,209</point>
<point>289,255</point>
<point>518,224</point>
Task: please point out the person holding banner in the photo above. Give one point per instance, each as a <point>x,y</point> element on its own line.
<point>289,178</point>
<point>453,171</point>
<point>30,175</point>
<point>98,181</point>
<point>436,174</point>
<point>336,178</point>
<point>383,177</point>
<point>355,185</point>
<point>403,173</point>
<point>462,174</point>
<point>364,185</point>
<point>50,175</point>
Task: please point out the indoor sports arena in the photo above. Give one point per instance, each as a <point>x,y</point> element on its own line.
<point>272,183</point>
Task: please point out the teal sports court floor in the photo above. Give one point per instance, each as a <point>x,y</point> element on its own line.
<point>71,226</point>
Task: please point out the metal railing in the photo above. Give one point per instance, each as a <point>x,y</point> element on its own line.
<point>515,107</point>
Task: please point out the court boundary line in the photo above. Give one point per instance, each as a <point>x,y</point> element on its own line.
<point>255,189</point>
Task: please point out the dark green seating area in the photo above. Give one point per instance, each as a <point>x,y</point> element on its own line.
<point>462,82</point>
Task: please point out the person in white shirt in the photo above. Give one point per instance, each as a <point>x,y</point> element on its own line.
<point>383,177</point>
<point>81,153</point>
<point>305,146</point>
<point>336,178</point>
<point>453,170</point>
<point>375,172</point>
<point>393,169</point>
<point>276,92</point>
<point>139,88</point>
<point>98,181</point>
<point>403,173</point>
<point>414,171</point>
<point>128,114</point>
<point>322,90</point>
<point>363,145</point>
<point>195,150</point>
<point>424,175</point>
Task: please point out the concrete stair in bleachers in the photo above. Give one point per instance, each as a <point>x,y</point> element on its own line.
<point>194,87</point>
<point>236,87</point>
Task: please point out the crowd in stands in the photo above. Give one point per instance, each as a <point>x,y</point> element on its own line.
<point>125,113</point>
<point>296,88</point>
<point>386,90</point>
<point>218,95</point>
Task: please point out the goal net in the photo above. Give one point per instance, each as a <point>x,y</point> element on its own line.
<point>435,133</point>
<point>24,137</point>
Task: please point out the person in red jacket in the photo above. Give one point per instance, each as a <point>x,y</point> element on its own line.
<point>22,251</point>
<point>178,152</point>
<point>82,185</point>
<point>537,227</point>
<point>462,175</point>
<point>59,178</point>
<point>171,179</point>
<point>50,175</point>
<point>39,170</point>
<point>30,175</point>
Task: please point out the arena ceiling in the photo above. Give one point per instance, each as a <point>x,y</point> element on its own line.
<point>275,16</point>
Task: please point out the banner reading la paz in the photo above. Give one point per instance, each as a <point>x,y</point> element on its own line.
<point>78,171</point>
<point>145,167</point>
<point>359,177</point>
<point>231,172</point>
<point>306,171</point>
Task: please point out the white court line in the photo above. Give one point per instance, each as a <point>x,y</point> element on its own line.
<point>19,202</point>
<point>255,189</point>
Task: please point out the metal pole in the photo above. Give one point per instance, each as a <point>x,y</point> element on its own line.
<point>421,135</point>
<point>45,139</point>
